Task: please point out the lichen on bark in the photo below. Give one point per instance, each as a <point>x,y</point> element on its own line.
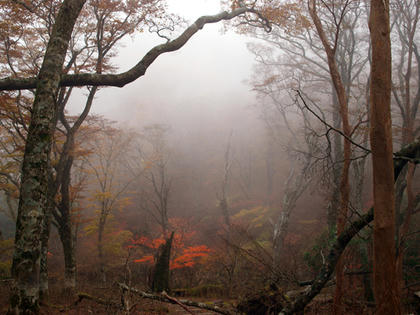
<point>34,183</point>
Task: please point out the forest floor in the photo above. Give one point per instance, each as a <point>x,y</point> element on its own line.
<point>108,301</point>
<point>61,304</point>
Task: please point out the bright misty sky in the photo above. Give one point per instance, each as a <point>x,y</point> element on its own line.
<point>203,78</point>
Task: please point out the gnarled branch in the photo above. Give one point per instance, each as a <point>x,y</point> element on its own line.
<point>121,79</point>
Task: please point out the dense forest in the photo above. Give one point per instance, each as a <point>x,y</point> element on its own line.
<point>298,194</point>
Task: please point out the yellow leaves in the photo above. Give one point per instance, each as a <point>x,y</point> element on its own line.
<point>8,187</point>
<point>114,244</point>
<point>256,217</point>
<point>289,15</point>
<point>91,228</point>
<point>102,195</point>
<point>6,251</point>
<point>124,202</point>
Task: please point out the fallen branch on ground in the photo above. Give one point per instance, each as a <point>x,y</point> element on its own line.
<point>177,302</point>
<point>82,296</point>
<point>163,298</point>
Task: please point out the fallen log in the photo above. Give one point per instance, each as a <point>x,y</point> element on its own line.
<point>165,298</point>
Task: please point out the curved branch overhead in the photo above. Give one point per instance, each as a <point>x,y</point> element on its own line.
<point>121,79</point>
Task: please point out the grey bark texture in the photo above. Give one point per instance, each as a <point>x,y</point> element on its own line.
<point>35,168</point>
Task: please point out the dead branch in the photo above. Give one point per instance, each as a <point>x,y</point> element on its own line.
<point>298,94</point>
<point>177,302</point>
<point>163,298</point>
<point>83,295</point>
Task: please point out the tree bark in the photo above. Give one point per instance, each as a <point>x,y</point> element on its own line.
<point>101,228</point>
<point>384,263</point>
<point>34,185</point>
<point>161,272</point>
<point>337,155</point>
<point>67,240</point>
<point>43,272</point>
<point>344,113</point>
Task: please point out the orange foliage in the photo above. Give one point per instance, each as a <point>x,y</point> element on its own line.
<point>146,259</point>
<point>155,243</point>
<point>190,256</point>
<point>183,255</point>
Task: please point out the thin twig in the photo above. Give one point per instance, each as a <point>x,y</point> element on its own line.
<point>328,125</point>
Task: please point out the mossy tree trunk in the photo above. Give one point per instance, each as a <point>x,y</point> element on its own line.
<point>35,167</point>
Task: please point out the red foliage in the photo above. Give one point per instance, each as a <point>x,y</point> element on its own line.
<point>154,244</point>
<point>190,256</point>
<point>183,255</point>
<point>145,259</point>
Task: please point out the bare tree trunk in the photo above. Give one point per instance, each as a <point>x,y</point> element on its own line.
<point>33,199</point>
<point>67,240</point>
<point>337,152</point>
<point>384,264</point>
<point>65,228</point>
<point>223,202</point>
<point>344,113</point>
<point>161,272</point>
<point>102,273</point>
<point>295,185</point>
<point>405,227</point>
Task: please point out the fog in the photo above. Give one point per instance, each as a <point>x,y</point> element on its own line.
<point>199,86</point>
<point>200,93</point>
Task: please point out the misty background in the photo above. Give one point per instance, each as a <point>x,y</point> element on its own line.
<point>199,86</point>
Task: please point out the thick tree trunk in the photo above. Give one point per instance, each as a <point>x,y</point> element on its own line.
<point>384,263</point>
<point>67,240</point>
<point>43,276</point>
<point>65,228</point>
<point>161,272</point>
<point>34,184</point>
